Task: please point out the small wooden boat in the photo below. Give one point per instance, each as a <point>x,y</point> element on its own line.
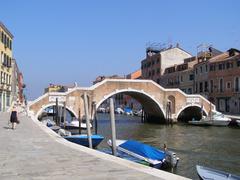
<point>82,139</point>
<point>155,157</point>
<point>206,173</point>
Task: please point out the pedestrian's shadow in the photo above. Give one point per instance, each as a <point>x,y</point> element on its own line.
<point>7,127</point>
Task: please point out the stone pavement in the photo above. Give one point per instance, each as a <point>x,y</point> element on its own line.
<point>33,151</point>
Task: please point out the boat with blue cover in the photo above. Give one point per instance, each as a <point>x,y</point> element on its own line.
<point>82,139</point>
<point>155,157</point>
<point>206,173</point>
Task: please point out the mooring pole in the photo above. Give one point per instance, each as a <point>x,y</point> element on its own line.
<point>60,114</point>
<point>112,116</point>
<point>87,120</point>
<point>80,121</point>
<point>56,117</point>
<point>64,115</point>
<point>142,116</point>
<point>95,118</point>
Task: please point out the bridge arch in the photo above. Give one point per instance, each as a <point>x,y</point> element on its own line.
<point>191,107</point>
<point>155,108</point>
<point>54,104</point>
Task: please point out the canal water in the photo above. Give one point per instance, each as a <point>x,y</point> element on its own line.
<point>216,147</point>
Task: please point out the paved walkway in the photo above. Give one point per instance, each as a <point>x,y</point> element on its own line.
<point>33,151</point>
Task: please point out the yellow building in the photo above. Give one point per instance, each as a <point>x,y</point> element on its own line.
<point>5,67</point>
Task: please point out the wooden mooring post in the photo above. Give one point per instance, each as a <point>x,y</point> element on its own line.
<point>80,121</point>
<point>64,115</point>
<point>87,120</point>
<point>56,113</point>
<point>113,128</point>
<point>95,118</point>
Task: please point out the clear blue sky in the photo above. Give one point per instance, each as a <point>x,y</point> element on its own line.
<point>67,41</point>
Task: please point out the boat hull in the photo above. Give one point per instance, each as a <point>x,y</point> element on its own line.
<point>83,140</point>
<point>200,123</point>
<point>206,173</point>
<point>221,122</point>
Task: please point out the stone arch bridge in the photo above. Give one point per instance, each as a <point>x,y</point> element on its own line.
<point>155,99</point>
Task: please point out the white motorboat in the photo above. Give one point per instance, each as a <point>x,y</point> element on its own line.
<point>206,173</point>
<point>215,119</point>
<point>219,119</point>
<point>75,124</point>
<point>238,122</point>
<point>201,122</point>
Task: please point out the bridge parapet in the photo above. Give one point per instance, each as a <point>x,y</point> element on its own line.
<point>152,96</point>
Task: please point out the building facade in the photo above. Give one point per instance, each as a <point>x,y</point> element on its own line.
<point>157,60</point>
<point>6,39</point>
<point>218,79</point>
<point>180,76</point>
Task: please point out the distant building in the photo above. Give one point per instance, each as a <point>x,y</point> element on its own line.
<point>157,60</point>
<point>55,88</point>
<point>21,86</point>
<point>101,78</point>
<point>59,88</point>
<point>135,75</point>
<point>6,39</point>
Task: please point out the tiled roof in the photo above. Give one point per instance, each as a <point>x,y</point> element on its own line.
<point>222,57</point>
<point>5,29</point>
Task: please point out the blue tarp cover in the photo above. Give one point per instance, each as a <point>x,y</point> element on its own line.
<point>143,150</point>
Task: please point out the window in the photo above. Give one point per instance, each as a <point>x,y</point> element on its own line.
<point>201,69</point>
<point>238,63</point>
<point>10,44</point>
<point>153,72</point>
<point>221,85</point>
<point>2,37</point>
<point>196,88</point>
<point>158,60</point>
<point>200,87</point>
<point>196,70</point>
<point>206,86</point>
<point>181,79</point>
<point>191,77</point>
<point>212,67</point>
<point>1,77</point>
<point>158,81</point>
<point>228,85</point>
<point>236,84</point>
<point>206,68</point>
<point>211,86</point>
<point>220,67</point>
<point>158,70</point>
<point>153,62</point>
<point>228,65</point>
<point>189,90</point>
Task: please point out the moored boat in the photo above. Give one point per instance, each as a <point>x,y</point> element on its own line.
<point>82,139</point>
<point>75,125</point>
<point>215,119</point>
<point>201,122</point>
<point>206,173</point>
<point>155,157</point>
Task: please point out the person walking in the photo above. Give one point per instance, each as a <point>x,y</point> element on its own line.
<point>14,117</point>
